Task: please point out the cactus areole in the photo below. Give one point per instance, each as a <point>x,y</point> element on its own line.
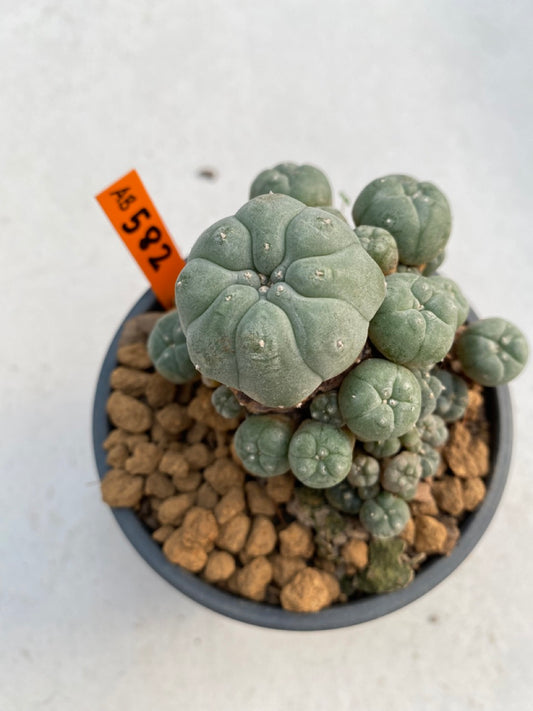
<point>277,299</point>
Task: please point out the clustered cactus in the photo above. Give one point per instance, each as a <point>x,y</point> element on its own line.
<point>334,342</point>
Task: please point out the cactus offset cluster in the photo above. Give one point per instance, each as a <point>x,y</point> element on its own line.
<point>344,355</point>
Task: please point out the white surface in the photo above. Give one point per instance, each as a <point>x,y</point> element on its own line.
<point>89,90</point>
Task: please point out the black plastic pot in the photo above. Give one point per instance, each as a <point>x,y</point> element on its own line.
<point>343,615</point>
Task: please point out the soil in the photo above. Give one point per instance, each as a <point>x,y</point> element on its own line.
<point>171,459</point>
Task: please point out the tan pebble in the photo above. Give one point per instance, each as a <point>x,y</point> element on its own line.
<point>430,535</point>
<point>129,381</point>
<point>121,489</point>
<point>159,485</point>
<point>355,552</point>
<point>475,407</point>
<point>296,540</point>
<point>408,533</point>
<point>162,533</point>
<point>207,496</point>
<point>284,569</point>
<point>159,435</point>
<point>117,455</point>
<point>197,432</point>
<point>308,591</point>
<point>145,459</point>
<point>325,564</point>
<point>259,502</point>
<point>230,504</point>
<point>173,509</point>
<point>221,452</point>
<point>332,585</point>
<point>155,503</point>
<point>232,535</point>
<point>138,328</point>
<point>128,413</point>
<point>188,483</point>
<point>173,418</point>
<point>134,439</point>
<point>220,566</point>
<point>200,408</point>
<point>174,463</point>
<point>280,488</point>
<point>423,501</point>
<point>452,533</point>
<point>473,492</point>
<point>177,549</point>
<point>467,456</point>
<point>448,494</point>
<point>223,474</point>
<point>199,526</point>
<point>198,455</point>
<point>254,577</point>
<point>159,391</point>
<point>262,538</point>
<point>134,355</point>
<point>115,437</point>
<point>231,583</point>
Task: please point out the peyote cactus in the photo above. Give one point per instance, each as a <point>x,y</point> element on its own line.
<point>167,349</point>
<point>262,444</point>
<point>342,355</point>
<point>303,182</point>
<point>416,214</point>
<point>277,299</point>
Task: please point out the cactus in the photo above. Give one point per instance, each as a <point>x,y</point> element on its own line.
<point>380,245</point>
<point>387,570</point>
<point>433,430</point>
<point>430,389</point>
<point>364,470</point>
<point>167,348</point>
<point>384,448</point>
<point>450,287</point>
<point>320,455</point>
<point>402,474</point>
<point>417,215</point>
<point>492,351</point>
<point>262,444</point>
<point>225,402</point>
<point>344,497</point>
<point>411,440</point>
<point>433,264</point>
<point>379,400</point>
<point>277,299</point>
<point>384,516</point>
<point>303,182</point>
<point>430,460</point>
<point>453,400</point>
<point>416,323</point>
<point>325,408</point>
<point>368,492</point>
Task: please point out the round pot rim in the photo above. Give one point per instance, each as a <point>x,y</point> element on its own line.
<point>346,614</point>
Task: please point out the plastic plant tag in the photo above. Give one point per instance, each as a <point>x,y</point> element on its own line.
<point>134,216</point>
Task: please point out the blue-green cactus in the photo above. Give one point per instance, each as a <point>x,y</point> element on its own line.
<point>225,402</point>
<point>303,182</point>
<point>433,264</point>
<point>416,213</point>
<point>430,460</point>
<point>430,389</point>
<point>320,455</point>
<point>416,323</point>
<point>380,245</point>
<point>168,352</point>
<point>492,351</point>
<point>451,288</point>
<point>453,400</point>
<point>402,474</point>
<point>364,470</point>
<point>433,430</point>
<point>411,440</point>
<point>277,299</point>
<point>384,516</point>
<point>325,408</point>
<point>368,492</point>
<point>384,448</point>
<point>387,570</point>
<point>344,497</point>
<point>262,444</point>
<point>379,400</point>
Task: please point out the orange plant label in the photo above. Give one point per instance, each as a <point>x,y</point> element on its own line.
<point>133,215</point>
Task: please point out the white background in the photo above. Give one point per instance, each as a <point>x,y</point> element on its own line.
<point>88,90</point>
